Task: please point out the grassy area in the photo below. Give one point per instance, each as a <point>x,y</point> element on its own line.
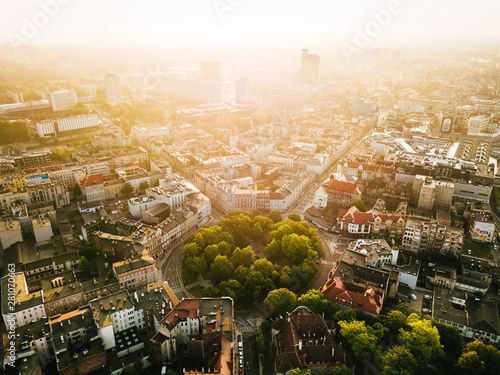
<point>196,291</point>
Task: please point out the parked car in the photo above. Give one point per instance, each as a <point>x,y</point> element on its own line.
<point>426,311</point>
<point>427,296</point>
<point>413,297</point>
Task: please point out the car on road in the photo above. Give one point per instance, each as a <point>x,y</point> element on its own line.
<point>427,296</point>
<point>426,311</point>
<point>413,297</point>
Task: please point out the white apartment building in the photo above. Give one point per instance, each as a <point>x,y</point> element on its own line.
<point>63,100</point>
<point>28,307</point>
<point>49,127</point>
<point>243,90</point>
<point>113,89</point>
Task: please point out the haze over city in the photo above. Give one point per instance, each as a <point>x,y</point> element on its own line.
<point>250,187</point>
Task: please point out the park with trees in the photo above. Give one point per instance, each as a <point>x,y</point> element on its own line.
<point>286,255</point>
<point>399,342</point>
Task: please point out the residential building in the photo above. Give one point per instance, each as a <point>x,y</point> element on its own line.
<point>56,127</point>
<point>243,90</point>
<point>28,307</point>
<point>354,223</point>
<point>480,222</point>
<point>192,317</point>
<point>135,273</point>
<point>63,100</point>
<point>423,236</point>
<point>305,340</point>
<point>431,194</point>
<point>34,159</point>
<point>475,318</point>
<point>113,89</point>
<point>93,188</point>
<point>353,286</point>
<point>77,346</point>
<point>10,232</point>
<point>343,194</point>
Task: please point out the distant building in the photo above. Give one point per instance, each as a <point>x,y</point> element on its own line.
<point>63,100</point>
<point>15,96</point>
<point>309,68</point>
<point>113,89</point>
<point>243,90</point>
<point>56,127</point>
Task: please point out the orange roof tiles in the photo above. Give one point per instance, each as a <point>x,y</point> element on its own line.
<point>94,179</point>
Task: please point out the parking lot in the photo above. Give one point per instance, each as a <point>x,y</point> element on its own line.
<point>421,302</point>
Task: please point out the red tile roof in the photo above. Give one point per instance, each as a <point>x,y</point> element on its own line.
<point>346,187</point>
<point>365,217</point>
<point>94,179</point>
<point>368,300</point>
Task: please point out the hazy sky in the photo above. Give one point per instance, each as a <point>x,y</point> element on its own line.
<point>221,21</point>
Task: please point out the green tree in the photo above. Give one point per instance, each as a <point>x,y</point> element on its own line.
<point>451,339</point>
<point>210,291</point>
<point>257,231</point>
<point>299,371</point>
<point>314,301</point>
<point>191,250</point>
<point>243,257</point>
<point>469,363</point>
<point>295,217</point>
<point>211,253</point>
<point>258,341</point>
<point>127,189</point>
<point>13,132</point>
<point>361,339</point>
<point>398,361</point>
<point>222,269</point>
<point>422,339</point>
<point>143,186</point>
<point>275,216</point>
<point>340,370</point>
<point>296,248</point>
<point>230,288</point>
<point>280,302</point>
<point>260,186</point>
<point>77,192</point>
<point>394,321</point>
<point>194,266</point>
<point>85,266</point>
<point>273,251</point>
<point>360,205</point>
<point>487,353</point>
